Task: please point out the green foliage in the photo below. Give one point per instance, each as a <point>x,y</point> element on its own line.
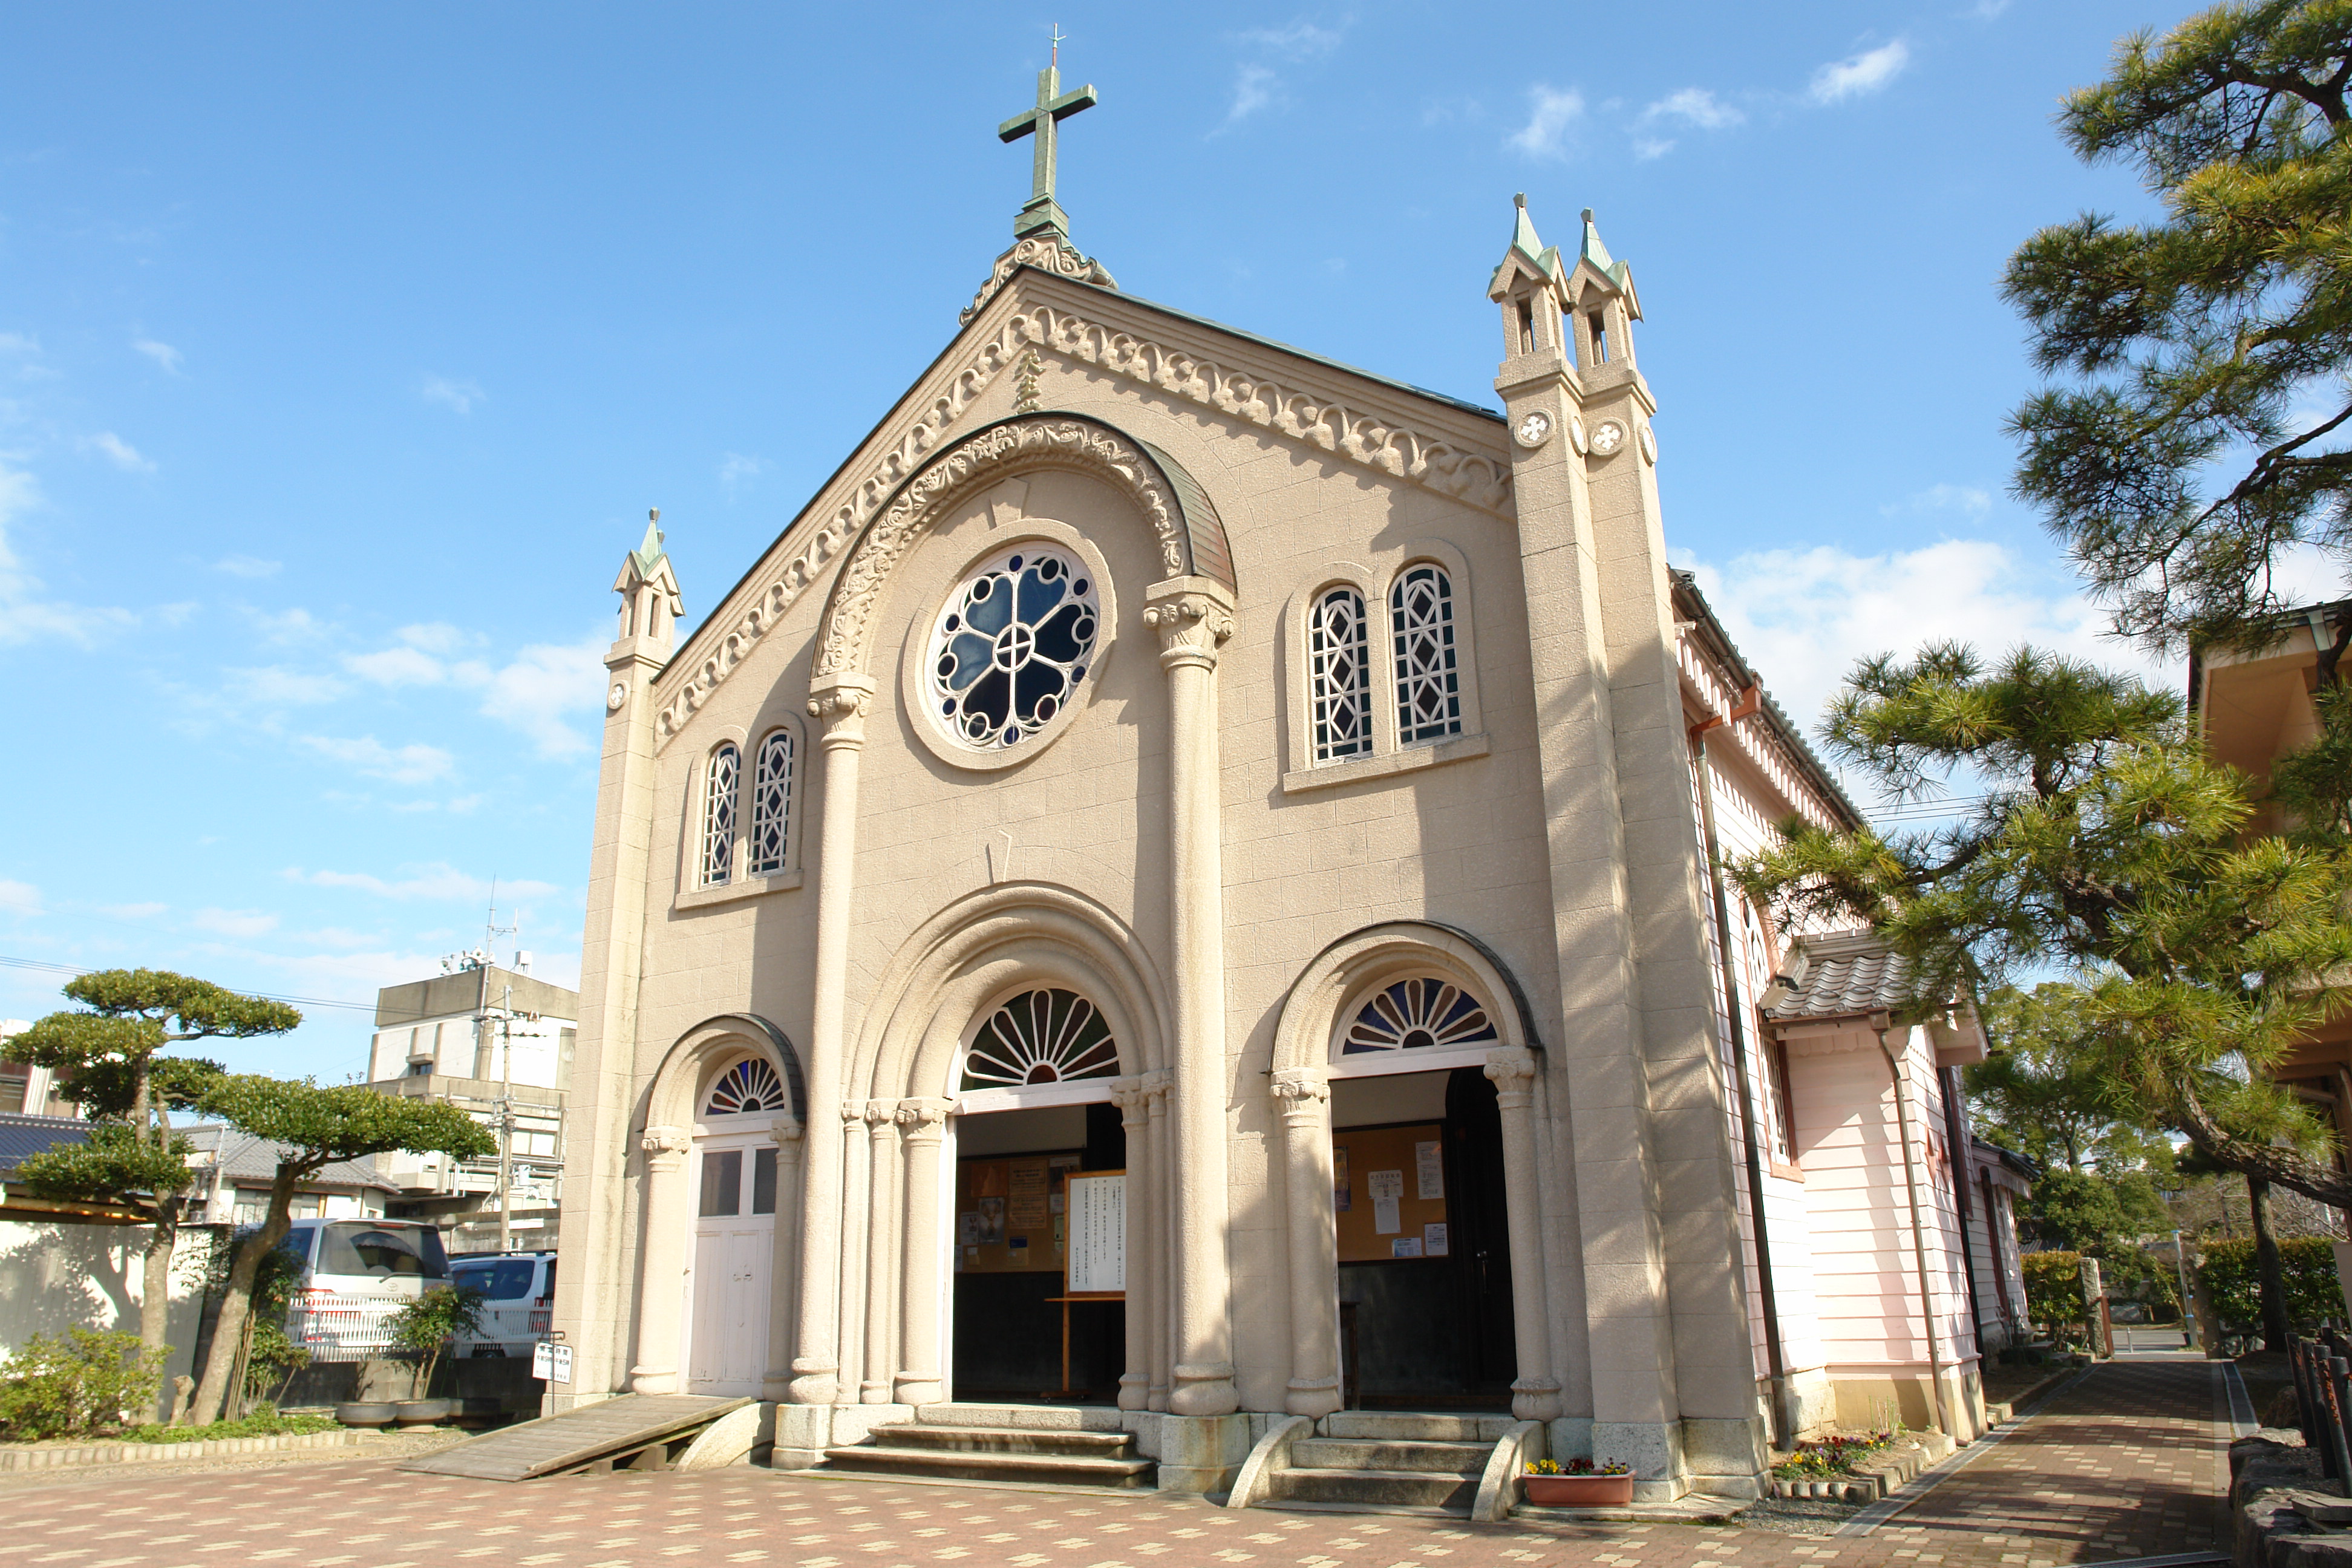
<point>2035,1095</point>
<point>425,1326</point>
<point>107,1089</point>
<point>1833,1455</point>
<point>2203,336</point>
<point>113,1163</point>
<point>2054,1288</point>
<point>323,1123</point>
<point>2232,1284</point>
<point>2085,1212</point>
<point>263,1422</point>
<point>2105,848</point>
<point>198,1009</point>
<point>76,1383</point>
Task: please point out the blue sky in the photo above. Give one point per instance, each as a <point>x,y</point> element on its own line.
<point>342,349</point>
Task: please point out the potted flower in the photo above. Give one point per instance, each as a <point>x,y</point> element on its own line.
<point>1579,1483</point>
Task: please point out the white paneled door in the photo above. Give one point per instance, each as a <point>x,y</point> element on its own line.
<point>728,1284</point>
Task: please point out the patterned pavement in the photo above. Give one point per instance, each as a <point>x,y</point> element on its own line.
<point>2126,1464</point>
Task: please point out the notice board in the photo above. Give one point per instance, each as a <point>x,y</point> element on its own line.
<point>1097,1232</point>
<point>1010,1214</point>
<point>1389,1192</point>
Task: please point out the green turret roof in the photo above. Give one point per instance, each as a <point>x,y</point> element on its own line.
<point>649,555</point>
<point>1542,257</point>
<point>1593,251</point>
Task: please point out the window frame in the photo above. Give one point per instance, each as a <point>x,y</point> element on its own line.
<point>742,883</point>
<point>706,830</point>
<point>1322,694</point>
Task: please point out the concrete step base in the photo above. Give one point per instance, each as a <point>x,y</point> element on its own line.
<point>1002,1439</point>
<point>991,1465</point>
<point>1352,1453</point>
<point>1027,1418</point>
<point>1380,1426</point>
<point>1373,1487</point>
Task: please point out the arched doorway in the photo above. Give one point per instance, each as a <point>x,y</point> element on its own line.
<point>736,1179</point>
<point>1039,1149</point>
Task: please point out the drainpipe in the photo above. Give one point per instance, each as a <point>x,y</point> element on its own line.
<point>1775,1361</point>
<point>1880,1023</point>
<point>1958,1156</point>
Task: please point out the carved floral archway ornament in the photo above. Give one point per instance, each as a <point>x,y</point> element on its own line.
<point>1189,538</point>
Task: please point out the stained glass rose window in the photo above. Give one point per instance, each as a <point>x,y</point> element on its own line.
<point>1012,646</point>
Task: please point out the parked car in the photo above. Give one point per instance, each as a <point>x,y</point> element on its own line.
<point>355,1273</point>
<point>518,1301</point>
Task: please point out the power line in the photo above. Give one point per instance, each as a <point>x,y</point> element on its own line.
<point>263,995</point>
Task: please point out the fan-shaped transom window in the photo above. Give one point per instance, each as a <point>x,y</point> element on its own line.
<point>1041,1037</point>
<point>1012,646</point>
<point>751,1084</point>
<point>1418,1014</point>
<point>1339,670</point>
<point>771,803</point>
<point>1429,686</point>
<point>720,791</point>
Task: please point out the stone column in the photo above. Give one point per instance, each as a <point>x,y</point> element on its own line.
<point>1133,1099</point>
<point>1304,1096</point>
<point>783,1268</point>
<point>667,1234</point>
<point>856,1168</point>
<point>1193,617</point>
<point>1535,1393</point>
<point>922,1126</point>
<point>1161,1200</point>
<point>882,1231</point>
<point>838,702</point>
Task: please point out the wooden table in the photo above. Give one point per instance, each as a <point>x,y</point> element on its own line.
<point>1066,1390</point>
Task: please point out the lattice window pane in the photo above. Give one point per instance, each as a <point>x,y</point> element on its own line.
<point>719,813</point>
<point>749,1085</point>
<point>1041,1037</point>
<point>771,803</point>
<point>1338,670</point>
<point>1418,1014</point>
<point>1429,687</point>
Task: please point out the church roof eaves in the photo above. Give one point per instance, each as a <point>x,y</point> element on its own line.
<point>1785,730</point>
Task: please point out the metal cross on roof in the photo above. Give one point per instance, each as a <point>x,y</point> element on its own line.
<point>1042,214</point>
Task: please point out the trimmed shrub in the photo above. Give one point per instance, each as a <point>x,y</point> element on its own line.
<point>2231,1282</point>
<point>2053,1289</point>
<point>76,1383</point>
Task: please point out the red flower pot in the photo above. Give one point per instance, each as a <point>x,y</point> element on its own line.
<point>1578,1491</point>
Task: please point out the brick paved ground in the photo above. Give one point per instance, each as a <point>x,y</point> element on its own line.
<point>2124,1466</point>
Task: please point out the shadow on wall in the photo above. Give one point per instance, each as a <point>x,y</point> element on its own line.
<point>58,1277</point>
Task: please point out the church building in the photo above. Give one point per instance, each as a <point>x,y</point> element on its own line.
<point>1183,889</point>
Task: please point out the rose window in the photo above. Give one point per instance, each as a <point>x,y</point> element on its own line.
<point>1012,646</point>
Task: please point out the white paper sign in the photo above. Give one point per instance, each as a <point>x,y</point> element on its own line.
<point>1434,1241</point>
<point>1429,1169</point>
<point>543,1361</point>
<point>1406,1246</point>
<point>1097,1256</point>
<point>1385,1219</point>
<point>561,1372</point>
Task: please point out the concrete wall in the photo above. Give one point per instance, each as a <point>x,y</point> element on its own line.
<point>57,1277</point>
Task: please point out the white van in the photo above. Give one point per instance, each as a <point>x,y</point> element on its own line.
<point>518,1301</point>
<point>355,1273</point>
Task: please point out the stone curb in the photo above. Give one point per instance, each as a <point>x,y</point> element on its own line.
<point>149,1453</point>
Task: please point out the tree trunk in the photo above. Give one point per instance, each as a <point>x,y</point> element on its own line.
<point>155,1286</point>
<point>2275,1331</point>
<point>237,1301</point>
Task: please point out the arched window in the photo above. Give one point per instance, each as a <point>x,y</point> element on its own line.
<point>1429,686</point>
<point>718,796</point>
<point>1041,1037</point>
<point>749,1085</point>
<point>1416,1014</point>
<point>771,803</point>
<point>1339,674</point>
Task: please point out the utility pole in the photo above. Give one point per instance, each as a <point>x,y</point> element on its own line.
<point>2188,1318</point>
<point>491,931</point>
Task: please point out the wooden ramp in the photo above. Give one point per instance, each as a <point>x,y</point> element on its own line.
<point>635,1431</point>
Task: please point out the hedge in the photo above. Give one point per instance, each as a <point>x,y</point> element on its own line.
<point>2230,1282</point>
<point>2054,1288</point>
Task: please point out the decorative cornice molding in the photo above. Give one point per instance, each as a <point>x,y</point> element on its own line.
<point>1432,462</point>
<point>1046,252</point>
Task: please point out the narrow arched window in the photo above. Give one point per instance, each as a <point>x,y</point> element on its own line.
<point>771,803</point>
<point>1339,672</point>
<point>1429,686</point>
<point>719,798</point>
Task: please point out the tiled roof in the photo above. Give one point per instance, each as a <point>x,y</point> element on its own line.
<point>21,1137</point>
<point>243,1157</point>
<point>1852,974</point>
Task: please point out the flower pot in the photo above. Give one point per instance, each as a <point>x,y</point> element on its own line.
<point>364,1413</point>
<point>1578,1491</point>
<point>420,1411</point>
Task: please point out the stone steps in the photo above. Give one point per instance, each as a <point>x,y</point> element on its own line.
<point>1375,1461</point>
<point>1036,1445</point>
<point>1368,1488</point>
<point>1362,1453</point>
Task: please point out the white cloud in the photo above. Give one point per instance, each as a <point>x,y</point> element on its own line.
<point>460,396</point>
<point>398,667</point>
<point>1648,147</point>
<point>433,636</point>
<point>275,686</point>
<point>1803,617</point>
<point>1859,74</point>
<point>297,624</point>
<point>119,452</point>
<point>133,911</point>
<point>164,354</point>
<point>543,683</point>
<point>1695,106</point>
<point>246,924</point>
<point>1299,41</point>
<point>19,898</point>
<point>249,566</point>
<point>1966,499</point>
<point>1253,89</point>
<point>411,764</point>
<point>439,881</point>
<point>735,471</point>
<point>24,615</point>
<point>1549,117</point>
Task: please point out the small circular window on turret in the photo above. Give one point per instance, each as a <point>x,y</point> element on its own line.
<point>1012,646</point>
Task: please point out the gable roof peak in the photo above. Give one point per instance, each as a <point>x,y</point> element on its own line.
<point>1527,252</point>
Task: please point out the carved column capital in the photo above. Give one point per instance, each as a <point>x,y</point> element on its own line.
<point>923,1119</point>
<point>665,1146</point>
<point>840,704</point>
<point>1302,1094</point>
<point>1513,1073</point>
<point>1193,617</point>
<point>852,1111</point>
<point>881,1117</point>
<point>1133,1098</point>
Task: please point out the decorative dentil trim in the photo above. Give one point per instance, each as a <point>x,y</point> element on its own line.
<point>1429,461</point>
<point>1047,253</point>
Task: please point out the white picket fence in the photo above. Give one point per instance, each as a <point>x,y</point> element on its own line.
<point>344,1328</point>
